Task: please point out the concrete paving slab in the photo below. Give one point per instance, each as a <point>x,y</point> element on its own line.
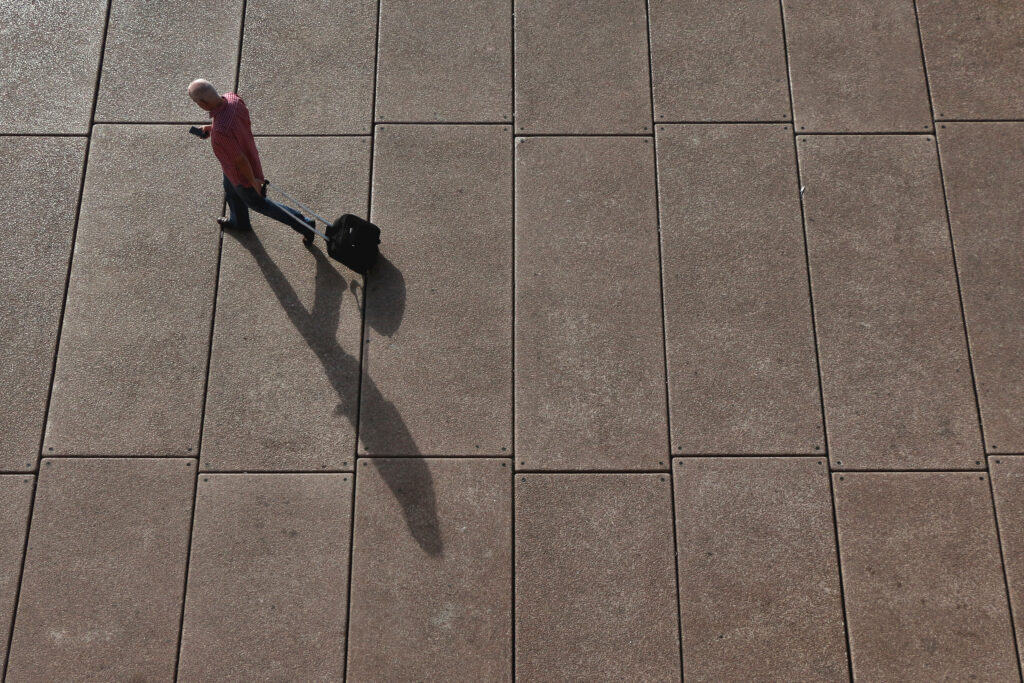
<point>153,51</point>
<point>49,53</point>
<point>440,368</point>
<point>284,367</point>
<point>444,60</point>
<point>581,67</point>
<point>924,590</point>
<point>981,167</point>
<point>1008,490</point>
<point>431,571</point>
<point>133,350</point>
<point>758,579</point>
<point>15,501</point>
<point>974,52</point>
<point>742,371</point>
<point>102,586</point>
<point>894,368</point>
<point>589,357</point>
<point>307,67</point>
<point>718,61</point>
<point>595,595</point>
<point>856,66</point>
<point>41,178</point>
<point>268,578</point>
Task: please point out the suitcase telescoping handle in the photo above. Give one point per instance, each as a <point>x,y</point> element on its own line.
<point>303,207</point>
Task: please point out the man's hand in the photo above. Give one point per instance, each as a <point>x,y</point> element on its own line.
<point>206,130</point>
<point>261,187</point>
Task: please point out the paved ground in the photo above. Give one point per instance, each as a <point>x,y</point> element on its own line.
<point>697,348</point>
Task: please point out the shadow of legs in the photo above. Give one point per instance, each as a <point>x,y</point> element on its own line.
<point>408,477</point>
<point>410,481</point>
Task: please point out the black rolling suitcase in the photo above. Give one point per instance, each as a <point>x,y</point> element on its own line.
<point>351,240</point>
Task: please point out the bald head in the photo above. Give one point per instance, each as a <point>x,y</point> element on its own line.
<point>204,94</point>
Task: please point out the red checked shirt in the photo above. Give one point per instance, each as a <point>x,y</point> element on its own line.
<point>231,136</point>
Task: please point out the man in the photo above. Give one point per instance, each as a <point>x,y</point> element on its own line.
<point>244,185</point>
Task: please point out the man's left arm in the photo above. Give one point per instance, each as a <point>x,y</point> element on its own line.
<point>244,169</point>
<point>232,157</point>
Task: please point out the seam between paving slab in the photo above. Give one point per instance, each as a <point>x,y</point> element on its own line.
<point>742,456</point>
<point>862,133</point>
<point>664,344</point>
<point>361,351</point>
<point>512,293</point>
<point>661,260</point>
<point>716,122</point>
<point>44,135</point>
<point>64,299</point>
<point>188,567</point>
<point>979,120</point>
<point>441,123</point>
<point>584,135</point>
<point>74,234</point>
<point>21,573</point>
<point>206,384</point>
<point>1002,562</point>
<point>665,348</point>
<point>952,244</point>
<point>56,344</point>
<point>970,355</point>
<point>960,300</point>
<point>826,457</point>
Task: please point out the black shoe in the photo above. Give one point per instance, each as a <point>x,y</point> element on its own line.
<point>308,238</point>
<point>228,224</point>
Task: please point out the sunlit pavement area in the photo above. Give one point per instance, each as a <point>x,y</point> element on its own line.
<point>696,347</point>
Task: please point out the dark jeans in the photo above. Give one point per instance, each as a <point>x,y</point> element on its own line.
<point>241,199</point>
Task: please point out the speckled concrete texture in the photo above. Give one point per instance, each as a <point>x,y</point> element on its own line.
<point>662,283</point>
<point>431,570</point>
<point>894,367</point>
<point>284,365</point>
<point>924,590</point>
<point>1008,490</point>
<point>981,165</point>
<point>741,371</point>
<point>49,52</point>
<point>974,52</point>
<point>102,588</point>
<point>759,591</point>
<point>16,491</point>
<point>595,595</point>
<point>132,360</point>
<point>581,67</point>
<point>589,360</point>
<point>153,51</point>
<point>307,67</point>
<point>445,60</point>
<point>718,61</point>
<point>268,580</point>
<point>856,66</point>
<point>437,376</point>
<point>41,179</point>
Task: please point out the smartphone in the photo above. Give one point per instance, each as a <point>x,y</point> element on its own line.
<point>197,131</point>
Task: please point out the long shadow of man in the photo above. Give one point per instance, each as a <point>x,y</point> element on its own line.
<point>408,477</point>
